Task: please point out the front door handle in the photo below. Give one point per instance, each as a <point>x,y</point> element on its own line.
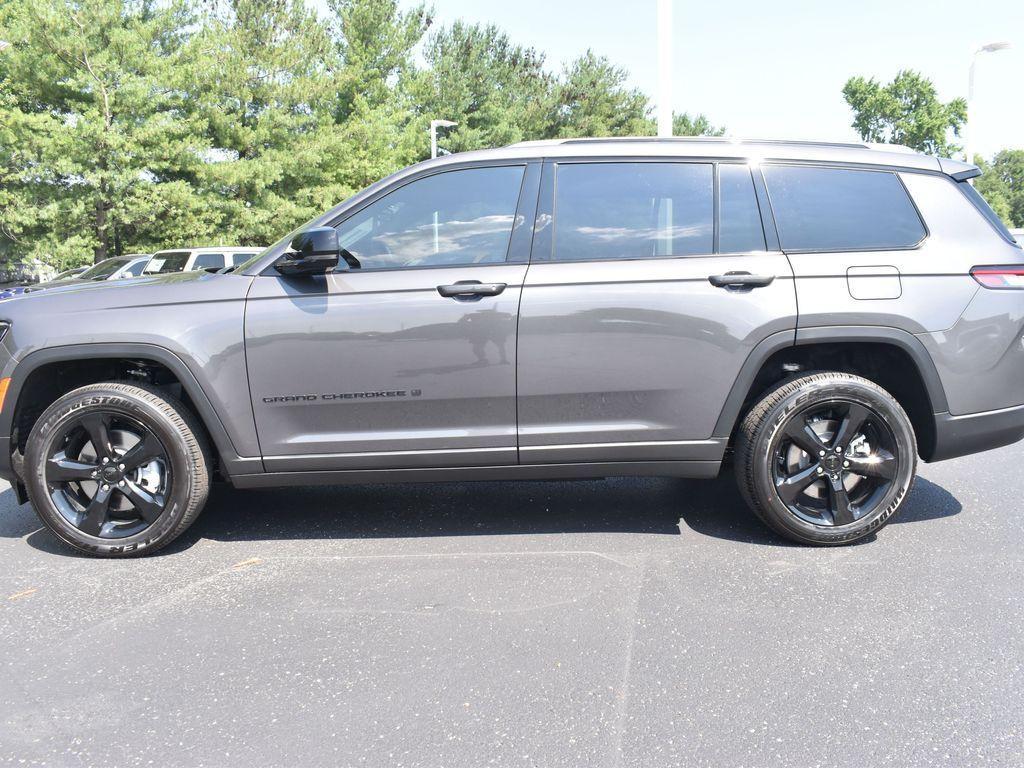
<point>740,281</point>
<point>470,290</point>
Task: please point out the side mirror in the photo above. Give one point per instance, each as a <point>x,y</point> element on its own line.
<point>313,252</point>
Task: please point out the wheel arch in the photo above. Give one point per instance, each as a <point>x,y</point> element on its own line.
<point>37,363</point>
<point>891,357</point>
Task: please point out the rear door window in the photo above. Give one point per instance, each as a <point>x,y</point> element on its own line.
<point>841,209</point>
<point>633,210</point>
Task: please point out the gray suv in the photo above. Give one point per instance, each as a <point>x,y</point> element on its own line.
<point>818,315</point>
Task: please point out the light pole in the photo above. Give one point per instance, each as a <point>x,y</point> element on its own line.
<point>1000,45</point>
<point>434,125</point>
<point>664,68</point>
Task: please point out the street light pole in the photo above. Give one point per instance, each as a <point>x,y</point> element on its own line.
<point>1001,45</point>
<point>664,68</point>
<point>434,125</point>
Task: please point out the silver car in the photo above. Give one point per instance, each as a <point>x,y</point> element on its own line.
<point>817,316</point>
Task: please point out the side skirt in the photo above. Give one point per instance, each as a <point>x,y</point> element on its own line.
<point>691,469</point>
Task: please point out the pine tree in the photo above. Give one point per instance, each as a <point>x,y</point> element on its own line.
<point>93,137</point>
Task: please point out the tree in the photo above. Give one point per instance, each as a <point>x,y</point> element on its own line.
<point>699,125</point>
<point>905,111</point>
<point>497,91</point>
<point>259,73</point>
<point>146,124</point>
<point>375,112</point>
<point>592,99</point>
<point>91,129</point>
<point>1002,184</point>
<point>375,43</point>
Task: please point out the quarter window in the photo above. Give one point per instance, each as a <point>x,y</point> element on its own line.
<point>739,216</point>
<point>839,209</point>
<point>448,219</point>
<point>633,210</point>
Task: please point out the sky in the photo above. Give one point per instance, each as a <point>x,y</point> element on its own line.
<point>776,69</point>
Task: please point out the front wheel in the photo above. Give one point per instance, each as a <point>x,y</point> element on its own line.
<point>117,469</point>
<point>826,459</point>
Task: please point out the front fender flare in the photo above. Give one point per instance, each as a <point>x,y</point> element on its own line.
<point>230,461</point>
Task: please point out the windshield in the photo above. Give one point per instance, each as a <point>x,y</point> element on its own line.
<point>103,270</point>
<point>164,263</point>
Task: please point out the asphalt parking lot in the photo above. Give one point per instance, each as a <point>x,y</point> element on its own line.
<point>622,622</point>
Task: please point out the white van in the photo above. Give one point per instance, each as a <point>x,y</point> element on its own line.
<point>211,259</point>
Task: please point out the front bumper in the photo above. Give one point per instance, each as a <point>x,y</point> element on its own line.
<point>976,432</point>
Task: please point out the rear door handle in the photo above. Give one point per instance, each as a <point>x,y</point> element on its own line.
<point>740,280</point>
<point>470,290</point>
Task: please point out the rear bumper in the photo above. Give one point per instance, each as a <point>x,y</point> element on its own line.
<point>976,432</point>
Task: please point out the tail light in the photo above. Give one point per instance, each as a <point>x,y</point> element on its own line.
<point>1000,278</point>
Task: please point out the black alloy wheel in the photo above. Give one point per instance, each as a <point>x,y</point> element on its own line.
<point>108,475</point>
<point>117,469</point>
<point>827,459</point>
<point>836,462</point>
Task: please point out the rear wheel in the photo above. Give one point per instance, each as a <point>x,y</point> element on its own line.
<point>826,459</point>
<point>117,469</point>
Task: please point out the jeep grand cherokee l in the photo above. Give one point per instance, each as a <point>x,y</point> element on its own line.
<point>822,315</point>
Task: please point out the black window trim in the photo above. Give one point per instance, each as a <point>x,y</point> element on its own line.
<point>543,234</point>
<point>847,167</point>
<point>751,168</point>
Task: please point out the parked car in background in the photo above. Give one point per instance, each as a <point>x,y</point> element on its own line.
<point>114,268</point>
<point>1018,235</point>
<point>67,274</point>
<point>212,259</point>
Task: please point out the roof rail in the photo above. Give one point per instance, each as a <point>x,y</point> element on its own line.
<point>721,140</point>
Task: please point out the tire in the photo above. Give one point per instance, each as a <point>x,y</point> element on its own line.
<point>797,477</point>
<point>75,448</point>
